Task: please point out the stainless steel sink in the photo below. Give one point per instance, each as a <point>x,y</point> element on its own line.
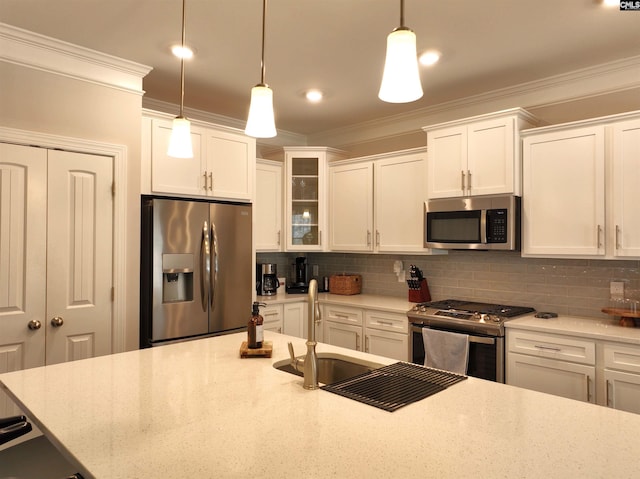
<point>333,367</point>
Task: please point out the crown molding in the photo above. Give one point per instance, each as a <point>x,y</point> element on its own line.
<point>32,50</point>
<point>616,76</point>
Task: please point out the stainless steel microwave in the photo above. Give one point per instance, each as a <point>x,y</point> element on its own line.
<point>479,222</point>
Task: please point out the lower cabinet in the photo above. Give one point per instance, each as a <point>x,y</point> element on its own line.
<point>294,319</point>
<point>554,364</point>
<point>273,316</point>
<point>376,332</point>
<point>622,377</point>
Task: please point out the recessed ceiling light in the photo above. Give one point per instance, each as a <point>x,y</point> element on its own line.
<point>429,58</point>
<point>314,96</point>
<point>182,52</point>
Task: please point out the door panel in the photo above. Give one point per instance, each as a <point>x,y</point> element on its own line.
<point>79,272</point>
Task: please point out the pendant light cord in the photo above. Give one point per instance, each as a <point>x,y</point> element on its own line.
<point>401,13</point>
<point>182,61</point>
<point>262,65</point>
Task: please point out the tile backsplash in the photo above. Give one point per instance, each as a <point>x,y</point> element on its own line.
<point>564,286</point>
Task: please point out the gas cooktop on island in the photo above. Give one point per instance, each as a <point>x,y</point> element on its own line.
<point>460,315</point>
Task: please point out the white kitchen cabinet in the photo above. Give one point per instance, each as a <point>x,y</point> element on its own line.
<point>306,196</point>
<point>343,326</point>
<point>476,156</point>
<point>580,191</point>
<point>376,203</point>
<point>622,376</point>
<point>273,316</point>
<point>550,363</point>
<point>223,163</point>
<point>294,319</point>
<point>624,235</point>
<point>387,334</point>
<point>267,213</point>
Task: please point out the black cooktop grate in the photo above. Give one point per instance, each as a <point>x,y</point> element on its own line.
<point>394,386</point>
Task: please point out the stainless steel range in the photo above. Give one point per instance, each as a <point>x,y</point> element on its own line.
<point>483,322</point>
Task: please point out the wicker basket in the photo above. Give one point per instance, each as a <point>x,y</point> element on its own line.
<point>345,284</point>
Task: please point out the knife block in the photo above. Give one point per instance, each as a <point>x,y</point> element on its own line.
<point>420,294</point>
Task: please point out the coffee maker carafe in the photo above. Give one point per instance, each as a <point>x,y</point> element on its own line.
<point>267,283</point>
<point>298,281</point>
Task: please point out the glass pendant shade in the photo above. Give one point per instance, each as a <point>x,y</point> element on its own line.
<point>261,123</point>
<point>401,77</point>
<point>180,140</point>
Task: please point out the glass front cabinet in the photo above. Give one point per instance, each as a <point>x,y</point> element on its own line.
<point>306,192</point>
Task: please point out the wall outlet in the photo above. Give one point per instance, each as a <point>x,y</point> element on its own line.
<point>616,289</point>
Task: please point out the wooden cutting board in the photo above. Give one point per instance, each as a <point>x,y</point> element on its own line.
<point>264,352</point>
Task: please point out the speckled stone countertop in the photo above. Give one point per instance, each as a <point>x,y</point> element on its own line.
<point>604,329</point>
<point>381,303</point>
<point>195,409</point>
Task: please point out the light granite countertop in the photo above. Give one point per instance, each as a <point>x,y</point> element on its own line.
<point>594,328</point>
<point>367,301</point>
<point>195,409</point>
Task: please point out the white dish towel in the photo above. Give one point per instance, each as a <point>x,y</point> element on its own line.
<point>445,350</point>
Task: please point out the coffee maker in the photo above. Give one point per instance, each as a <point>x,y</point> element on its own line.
<point>267,279</point>
<point>298,281</point>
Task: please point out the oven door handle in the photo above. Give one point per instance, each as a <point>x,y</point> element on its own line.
<point>481,340</point>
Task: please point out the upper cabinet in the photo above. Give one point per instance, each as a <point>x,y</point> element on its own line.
<point>222,167</point>
<point>476,156</point>
<point>580,191</point>
<point>306,196</point>
<point>267,215</point>
<point>376,203</point>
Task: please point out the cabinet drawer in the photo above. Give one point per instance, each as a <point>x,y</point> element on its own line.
<point>553,346</point>
<point>622,357</point>
<point>343,314</point>
<point>387,321</point>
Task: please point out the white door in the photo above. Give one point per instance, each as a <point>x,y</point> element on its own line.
<point>447,162</point>
<point>79,256</point>
<point>400,193</point>
<point>268,207</point>
<point>23,209</point>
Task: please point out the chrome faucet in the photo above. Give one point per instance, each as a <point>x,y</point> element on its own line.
<point>310,363</point>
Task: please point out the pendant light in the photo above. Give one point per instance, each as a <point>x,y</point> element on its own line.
<point>260,123</point>
<point>401,78</point>
<point>180,140</point>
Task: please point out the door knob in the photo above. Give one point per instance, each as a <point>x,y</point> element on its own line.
<point>57,322</point>
<point>34,324</point>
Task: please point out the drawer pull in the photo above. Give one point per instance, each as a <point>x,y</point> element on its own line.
<point>343,316</point>
<point>547,348</point>
<point>386,323</point>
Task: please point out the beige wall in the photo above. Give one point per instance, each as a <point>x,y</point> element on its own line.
<point>42,102</point>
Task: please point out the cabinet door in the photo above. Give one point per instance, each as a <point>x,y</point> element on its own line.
<point>230,165</point>
<point>305,202</point>
<point>273,317</point>
<point>625,189</point>
<point>294,319</point>
<point>351,207</point>
<point>343,335</point>
<point>447,153</point>
<point>622,390</point>
<point>561,378</point>
<point>563,191</point>
<point>184,176</point>
<point>384,343</point>
<point>400,193</point>
<point>268,207</point>
<point>490,157</point>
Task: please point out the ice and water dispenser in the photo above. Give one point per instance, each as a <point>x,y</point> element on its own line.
<point>177,278</point>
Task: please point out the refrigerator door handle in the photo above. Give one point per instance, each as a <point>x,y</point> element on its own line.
<point>213,272</point>
<point>205,267</point>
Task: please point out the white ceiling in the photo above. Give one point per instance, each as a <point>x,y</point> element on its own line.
<point>337,46</point>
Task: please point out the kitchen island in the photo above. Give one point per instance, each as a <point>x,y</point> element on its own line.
<point>196,409</point>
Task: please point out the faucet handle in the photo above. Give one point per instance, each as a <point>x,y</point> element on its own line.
<point>291,353</point>
<point>318,313</point>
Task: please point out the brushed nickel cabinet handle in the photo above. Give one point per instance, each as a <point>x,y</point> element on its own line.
<point>469,180</point>
<point>462,180</point>
<point>210,181</point>
<point>204,187</point>
<point>599,235</point>
<point>368,237</point>
<point>617,236</point>
<point>606,393</point>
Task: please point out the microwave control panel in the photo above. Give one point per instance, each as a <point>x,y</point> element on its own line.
<point>497,225</point>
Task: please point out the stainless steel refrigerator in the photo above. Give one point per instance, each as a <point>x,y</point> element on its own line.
<point>196,269</point>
